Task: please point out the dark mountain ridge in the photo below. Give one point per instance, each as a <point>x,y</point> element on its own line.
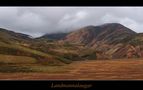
<point>15,34</point>
<point>54,36</point>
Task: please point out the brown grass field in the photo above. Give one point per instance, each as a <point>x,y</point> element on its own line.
<point>131,69</point>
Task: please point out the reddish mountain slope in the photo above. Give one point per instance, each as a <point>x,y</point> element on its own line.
<point>108,34</point>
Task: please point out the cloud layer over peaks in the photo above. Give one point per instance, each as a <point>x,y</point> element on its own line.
<point>37,21</point>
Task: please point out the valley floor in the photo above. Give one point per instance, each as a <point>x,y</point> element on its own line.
<point>88,70</point>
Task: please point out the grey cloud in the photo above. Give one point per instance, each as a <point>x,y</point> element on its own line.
<point>37,21</point>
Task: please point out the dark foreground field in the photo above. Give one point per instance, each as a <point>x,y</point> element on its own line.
<point>85,70</point>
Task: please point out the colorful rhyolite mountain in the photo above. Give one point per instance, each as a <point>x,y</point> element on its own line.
<point>107,41</point>
<point>111,40</point>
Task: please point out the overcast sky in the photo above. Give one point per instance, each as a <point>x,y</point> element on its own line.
<point>37,21</point>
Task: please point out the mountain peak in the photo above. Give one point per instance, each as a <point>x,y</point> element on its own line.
<point>112,24</point>
<point>107,33</point>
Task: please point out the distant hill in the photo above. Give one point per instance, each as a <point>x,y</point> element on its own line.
<point>18,44</point>
<point>54,36</point>
<point>10,36</point>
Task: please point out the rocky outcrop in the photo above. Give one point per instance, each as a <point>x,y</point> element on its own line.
<point>134,51</point>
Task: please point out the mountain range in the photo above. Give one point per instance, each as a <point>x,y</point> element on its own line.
<point>107,41</point>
